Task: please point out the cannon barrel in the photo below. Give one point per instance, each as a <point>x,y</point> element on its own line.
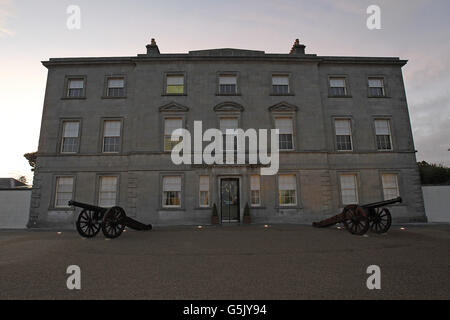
<point>86,206</point>
<point>382,203</point>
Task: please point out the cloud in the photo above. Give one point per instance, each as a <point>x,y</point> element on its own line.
<point>5,13</point>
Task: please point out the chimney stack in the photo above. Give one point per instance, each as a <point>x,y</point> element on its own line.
<point>152,48</point>
<point>298,48</point>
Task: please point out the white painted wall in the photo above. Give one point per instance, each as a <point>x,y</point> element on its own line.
<point>14,208</point>
<point>437,203</point>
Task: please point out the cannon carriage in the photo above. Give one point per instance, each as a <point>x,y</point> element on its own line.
<point>359,220</point>
<point>112,221</point>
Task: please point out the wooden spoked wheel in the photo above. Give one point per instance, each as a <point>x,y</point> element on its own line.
<point>87,225</point>
<point>380,220</point>
<point>356,220</point>
<point>113,222</point>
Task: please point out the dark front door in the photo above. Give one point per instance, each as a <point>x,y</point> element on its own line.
<point>229,190</point>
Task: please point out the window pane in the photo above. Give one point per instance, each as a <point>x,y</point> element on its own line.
<point>278,89</point>
<point>171,199</point>
<point>175,80</point>
<point>172,183</point>
<point>390,186</point>
<point>107,192</point>
<point>70,145</point>
<point>349,191</point>
<point>284,125</point>
<point>227,80</point>
<point>64,191</point>
<point>204,198</point>
<point>343,127</point>
<point>255,182</point>
<point>337,83</point>
<point>70,129</point>
<point>116,83</point>
<point>171,125</point>
<point>112,129</point>
<point>227,88</point>
<point>255,197</point>
<point>285,142</point>
<point>344,143</point>
<point>111,144</point>
<point>382,127</point>
<point>76,84</point>
<point>375,83</point>
<point>280,80</point>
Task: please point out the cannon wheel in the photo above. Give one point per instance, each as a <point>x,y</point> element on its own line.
<point>87,226</point>
<point>113,225</point>
<point>356,221</point>
<point>380,221</point>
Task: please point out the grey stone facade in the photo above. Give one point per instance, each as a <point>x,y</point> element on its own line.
<point>141,163</point>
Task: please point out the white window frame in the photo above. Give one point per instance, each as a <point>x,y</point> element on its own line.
<point>356,193</point>
<point>201,187</point>
<point>285,76</point>
<point>389,133</point>
<point>295,191</point>
<point>235,83</point>
<point>255,187</point>
<point>115,136</point>
<point>330,79</point>
<point>63,137</point>
<point>397,189</point>
<point>57,186</point>
<point>167,136</point>
<point>83,88</point>
<point>291,119</point>
<point>180,195</point>
<point>100,191</point>
<point>383,86</point>
<point>173,76</point>
<point>109,87</point>
<point>349,121</point>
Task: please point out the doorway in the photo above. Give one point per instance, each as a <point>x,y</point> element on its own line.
<point>229,203</point>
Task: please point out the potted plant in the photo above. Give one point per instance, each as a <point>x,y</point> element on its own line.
<point>247,218</point>
<point>215,215</point>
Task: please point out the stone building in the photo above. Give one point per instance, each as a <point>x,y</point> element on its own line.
<point>345,136</point>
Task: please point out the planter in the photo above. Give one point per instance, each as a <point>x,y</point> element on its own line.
<point>247,220</point>
<point>214,220</point>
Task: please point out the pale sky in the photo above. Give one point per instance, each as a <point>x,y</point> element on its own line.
<point>32,31</point>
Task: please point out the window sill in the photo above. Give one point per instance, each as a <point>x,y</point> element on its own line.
<point>287,207</point>
<point>203,208</point>
<point>171,209</point>
<point>282,94</point>
<point>228,94</point>
<point>378,97</point>
<point>73,98</point>
<point>346,96</point>
<point>258,207</point>
<point>61,209</point>
<point>174,94</point>
<point>121,97</point>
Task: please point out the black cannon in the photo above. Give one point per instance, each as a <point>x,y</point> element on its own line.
<point>112,221</point>
<point>359,219</point>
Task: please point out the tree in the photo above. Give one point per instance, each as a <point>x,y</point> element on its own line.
<point>433,173</point>
<point>23,179</point>
<point>31,157</point>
